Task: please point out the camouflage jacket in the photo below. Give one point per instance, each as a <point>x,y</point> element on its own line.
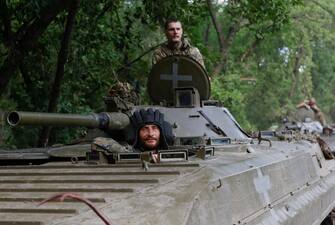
<point>185,49</point>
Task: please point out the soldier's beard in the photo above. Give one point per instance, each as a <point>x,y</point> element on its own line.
<point>150,143</point>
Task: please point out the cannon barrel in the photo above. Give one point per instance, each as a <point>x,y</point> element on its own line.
<point>104,120</point>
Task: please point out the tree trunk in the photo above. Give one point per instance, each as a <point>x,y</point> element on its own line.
<point>26,38</point>
<point>206,35</point>
<point>62,58</point>
<point>7,28</point>
<point>295,73</point>
<point>223,40</point>
<point>219,34</point>
<point>224,51</point>
<point>26,79</point>
<point>249,50</point>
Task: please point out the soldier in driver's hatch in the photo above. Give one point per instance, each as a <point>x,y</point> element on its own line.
<point>151,133</point>
<point>176,44</point>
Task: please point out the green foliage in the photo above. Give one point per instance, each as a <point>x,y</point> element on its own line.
<point>280,54</point>
<point>187,11</point>
<point>227,89</point>
<point>262,16</point>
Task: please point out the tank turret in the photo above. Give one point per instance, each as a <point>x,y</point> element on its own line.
<point>179,87</point>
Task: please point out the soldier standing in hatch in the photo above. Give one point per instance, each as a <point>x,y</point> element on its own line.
<point>176,44</point>
<point>311,104</point>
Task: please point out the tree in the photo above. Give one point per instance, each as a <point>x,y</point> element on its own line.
<point>263,56</point>
<point>259,17</point>
<point>23,40</point>
<point>62,58</point>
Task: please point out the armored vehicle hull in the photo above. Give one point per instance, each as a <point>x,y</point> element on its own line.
<point>212,173</point>
<point>288,183</point>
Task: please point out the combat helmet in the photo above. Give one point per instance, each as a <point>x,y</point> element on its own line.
<point>143,117</point>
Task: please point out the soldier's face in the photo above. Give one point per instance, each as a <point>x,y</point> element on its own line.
<point>174,32</point>
<point>149,136</point>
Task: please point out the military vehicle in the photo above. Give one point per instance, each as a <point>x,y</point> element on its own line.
<point>212,173</point>
<point>302,119</point>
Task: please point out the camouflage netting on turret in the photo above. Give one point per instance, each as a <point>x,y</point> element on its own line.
<point>121,96</point>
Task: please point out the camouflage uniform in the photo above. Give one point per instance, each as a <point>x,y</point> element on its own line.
<point>311,104</point>
<point>185,49</point>
<point>110,145</point>
<point>139,119</point>
<point>121,96</point>
<point>124,91</point>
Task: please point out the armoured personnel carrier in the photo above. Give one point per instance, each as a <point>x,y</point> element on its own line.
<point>211,173</point>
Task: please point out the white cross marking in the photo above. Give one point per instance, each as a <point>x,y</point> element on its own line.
<point>262,185</point>
<point>175,77</point>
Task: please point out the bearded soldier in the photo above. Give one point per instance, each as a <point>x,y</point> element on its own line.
<point>151,134</point>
